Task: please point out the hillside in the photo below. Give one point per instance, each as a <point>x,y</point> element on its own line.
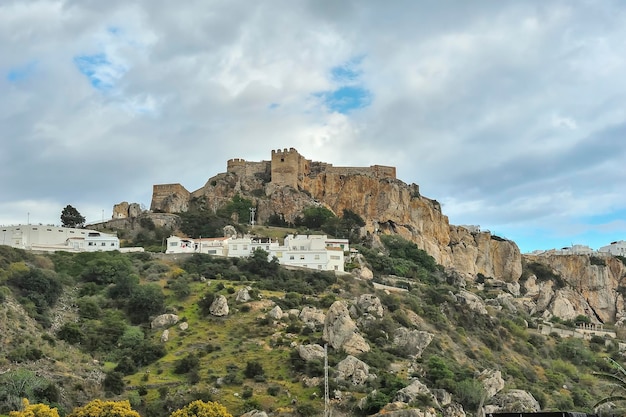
<point>249,334</point>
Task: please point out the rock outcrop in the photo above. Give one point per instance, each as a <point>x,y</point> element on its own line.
<point>341,332</point>
<point>219,307</point>
<point>164,320</point>
<point>289,183</point>
<point>354,371</point>
<point>411,342</point>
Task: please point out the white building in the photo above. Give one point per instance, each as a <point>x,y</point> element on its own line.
<point>615,248</point>
<point>306,251</point>
<point>54,238</point>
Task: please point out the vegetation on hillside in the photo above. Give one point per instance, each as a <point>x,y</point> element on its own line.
<point>88,307</point>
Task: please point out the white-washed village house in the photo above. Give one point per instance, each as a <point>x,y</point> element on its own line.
<point>54,238</point>
<point>306,251</point>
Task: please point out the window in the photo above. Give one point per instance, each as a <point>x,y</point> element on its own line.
<point>245,247</point>
<point>279,254</point>
<point>112,244</point>
<point>291,257</point>
<point>103,244</point>
<point>301,247</point>
<point>234,247</point>
<point>173,243</point>
<point>335,257</point>
<point>317,257</point>
<point>34,228</point>
<point>319,267</point>
<point>302,257</point>
<point>336,268</point>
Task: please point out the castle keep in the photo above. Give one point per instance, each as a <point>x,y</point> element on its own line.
<point>287,168</point>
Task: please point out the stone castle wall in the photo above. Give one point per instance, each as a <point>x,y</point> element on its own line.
<point>289,168</point>
<point>164,194</point>
<point>244,168</point>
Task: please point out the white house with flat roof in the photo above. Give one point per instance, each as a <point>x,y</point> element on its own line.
<point>55,238</point>
<point>306,251</point>
<point>617,248</point>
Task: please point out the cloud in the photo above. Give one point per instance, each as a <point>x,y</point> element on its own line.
<point>510,114</point>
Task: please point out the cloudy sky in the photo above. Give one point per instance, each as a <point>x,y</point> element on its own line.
<point>511,114</point>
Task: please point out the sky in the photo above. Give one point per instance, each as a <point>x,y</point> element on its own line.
<point>511,114</point>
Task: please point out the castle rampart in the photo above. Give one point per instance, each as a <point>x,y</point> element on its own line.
<point>164,194</point>
<point>244,168</point>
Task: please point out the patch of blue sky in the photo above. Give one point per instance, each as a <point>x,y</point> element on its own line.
<point>346,99</point>
<point>350,94</point>
<point>348,73</point>
<point>273,106</point>
<point>22,72</point>
<point>98,68</point>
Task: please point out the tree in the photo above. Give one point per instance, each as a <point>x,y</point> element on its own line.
<point>34,410</point>
<point>99,408</point>
<point>70,217</point>
<point>200,408</point>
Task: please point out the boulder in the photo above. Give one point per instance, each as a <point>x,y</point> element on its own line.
<point>514,400</point>
<point>412,391</point>
<point>400,409</point>
<point>411,342</point>
<point>243,295</point>
<point>354,371</point>
<point>164,320</point>
<point>311,352</point>
<point>183,326</point>
<point>255,413</point>
<point>369,303</point>
<point>341,332</point>
<point>473,301</point>
<point>492,381</point>
<point>219,307</point>
<point>165,336</point>
<point>276,313</point>
<point>312,317</point>
<point>453,410</point>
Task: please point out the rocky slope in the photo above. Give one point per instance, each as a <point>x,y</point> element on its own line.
<point>387,205</point>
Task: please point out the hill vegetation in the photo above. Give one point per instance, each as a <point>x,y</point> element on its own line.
<point>77,327</point>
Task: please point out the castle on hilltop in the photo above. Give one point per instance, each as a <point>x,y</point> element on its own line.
<point>286,168</point>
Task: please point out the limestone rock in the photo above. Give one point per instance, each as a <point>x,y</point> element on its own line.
<point>255,413</point>
<point>219,307</point>
<point>230,231</point>
<point>311,352</point>
<point>412,391</point>
<point>341,332</point>
<point>453,410</point>
<point>364,273</point>
<point>165,336</point>
<point>473,301</point>
<point>492,381</point>
<point>183,326</point>
<point>164,320</point>
<point>243,295</point>
<point>513,401</point>
<point>400,409</point>
<point>312,317</point>
<point>369,303</point>
<point>353,370</point>
<point>411,342</point>
<point>276,313</point>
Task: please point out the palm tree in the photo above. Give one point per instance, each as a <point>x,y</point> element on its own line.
<point>617,380</point>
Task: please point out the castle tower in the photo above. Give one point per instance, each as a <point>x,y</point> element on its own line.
<point>289,168</point>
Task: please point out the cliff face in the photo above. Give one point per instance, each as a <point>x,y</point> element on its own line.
<point>592,289</point>
<point>386,204</point>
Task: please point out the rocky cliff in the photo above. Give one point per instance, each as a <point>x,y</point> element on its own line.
<point>387,204</point>
<point>591,286</point>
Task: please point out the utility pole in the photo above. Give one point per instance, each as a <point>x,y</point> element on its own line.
<point>252,210</point>
<point>326,394</point>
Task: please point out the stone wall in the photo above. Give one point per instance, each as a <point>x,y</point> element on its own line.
<point>244,168</point>
<point>169,198</point>
<point>289,168</point>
